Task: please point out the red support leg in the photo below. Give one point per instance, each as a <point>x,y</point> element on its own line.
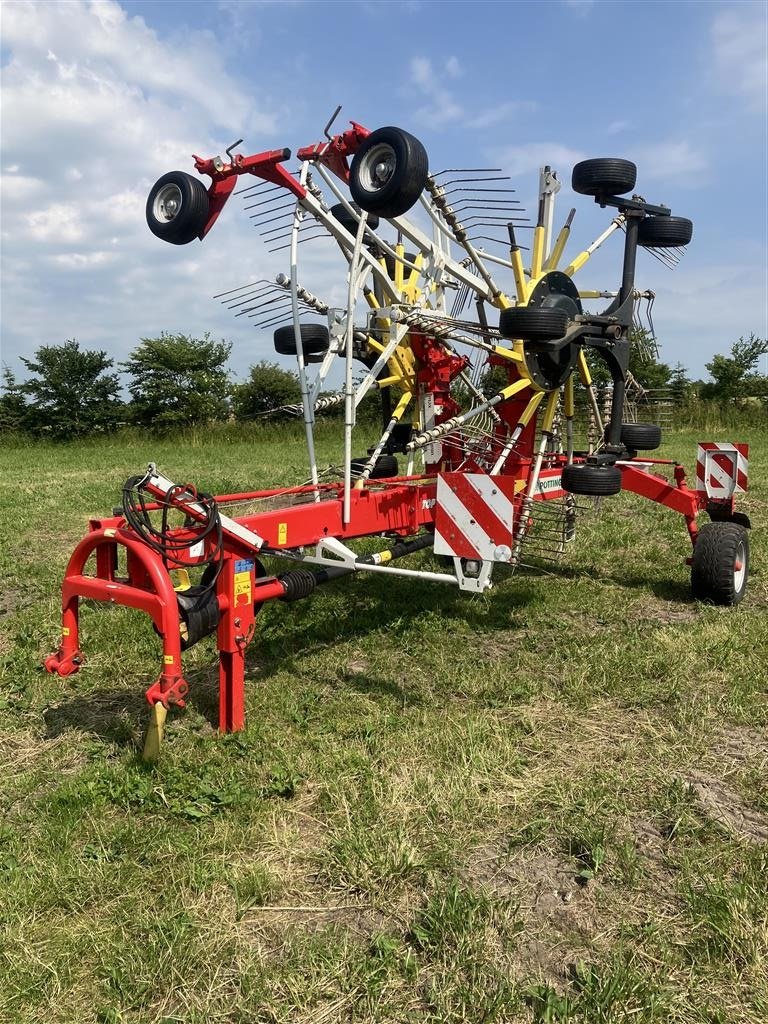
<point>235,590</point>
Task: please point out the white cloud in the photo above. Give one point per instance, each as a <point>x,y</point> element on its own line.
<point>671,160</point>
<point>615,127</point>
<point>441,106</point>
<point>503,112</point>
<point>520,160</point>
<point>95,107</point>
<point>740,54</point>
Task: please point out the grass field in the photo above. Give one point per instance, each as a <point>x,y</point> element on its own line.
<point>548,804</point>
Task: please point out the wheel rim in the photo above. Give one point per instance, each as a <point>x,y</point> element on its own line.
<point>167,203</point>
<point>739,567</point>
<point>377,167</point>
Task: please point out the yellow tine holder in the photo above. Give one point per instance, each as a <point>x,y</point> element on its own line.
<point>155,732</point>
<point>560,244</point>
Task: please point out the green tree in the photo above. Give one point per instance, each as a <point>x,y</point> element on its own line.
<point>12,404</point>
<point>268,387</point>
<point>178,380</point>
<point>71,394</point>
<point>679,384</point>
<point>737,376</point>
<point>643,365</point>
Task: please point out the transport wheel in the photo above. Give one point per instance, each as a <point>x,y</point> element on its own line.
<point>641,437</point>
<point>345,218</point>
<point>388,172</point>
<point>605,176</point>
<point>595,481</point>
<point>314,340</point>
<point>720,565</point>
<point>177,208</point>
<point>664,232</point>
<point>533,324</point>
<point>386,466</point>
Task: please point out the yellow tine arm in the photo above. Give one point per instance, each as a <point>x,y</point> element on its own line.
<point>549,412</point>
<point>537,254</point>
<point>560,244</point>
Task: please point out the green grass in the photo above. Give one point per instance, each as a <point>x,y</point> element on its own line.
<point>547,804</point>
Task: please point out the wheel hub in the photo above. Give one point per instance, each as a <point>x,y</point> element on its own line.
<point>554,291</point>
<point>378,167</point>
<point>167,203</point>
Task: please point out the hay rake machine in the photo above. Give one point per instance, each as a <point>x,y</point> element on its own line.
<point>490,471</point>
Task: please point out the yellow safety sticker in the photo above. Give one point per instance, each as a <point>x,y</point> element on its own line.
<point>167,659</point>
<point>65,631</point>
<point>282,533</point>
<point>242,587</point>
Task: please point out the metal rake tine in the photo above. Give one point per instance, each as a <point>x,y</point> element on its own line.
<point>229,291</point>
<point>453,191</point>
<point>266,202</point>
<point>260,186</point>
<point>271,220</point>
<point>266,316</point>
<point>283,317</point>
<point>278,299</point>
<point>248,298</point>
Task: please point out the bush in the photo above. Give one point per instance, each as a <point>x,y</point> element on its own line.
<point>178,380</point>
<point>71,393</point>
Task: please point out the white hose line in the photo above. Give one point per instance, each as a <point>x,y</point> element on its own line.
<point>306,399</point>
<point>349,407</point>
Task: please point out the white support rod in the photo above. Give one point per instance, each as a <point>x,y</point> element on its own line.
<point>384,246</point>
<point>533,483</point>
<point>349,407</point>
<point>343,237</point>
<point>506,451</point>
<point>468,383</point>
<point>306,400</point>
<point>492,290</point>
<point>397,333</point>
<point>428,436</point>
<point>402,405</point>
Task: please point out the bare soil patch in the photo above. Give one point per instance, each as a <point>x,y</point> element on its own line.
<point>559,913</point>
<point>724,806</point>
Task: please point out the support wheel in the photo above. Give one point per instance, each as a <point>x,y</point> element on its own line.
<point>594,481</point>
<point>664,232</point>
<point>720,565</point>
<point>388,172</point>
<point>314,340</point>
<point>177,208</point>
<point>641,437</point>
<point>345,218</point>
<point>385,466</point>
<point>606,176</point>
<point>533,323</point>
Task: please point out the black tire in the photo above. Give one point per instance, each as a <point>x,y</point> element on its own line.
<point>641,437</point>
<point>720,565</point>
<point>664,232</point>
<point>388,172</point>
<point>345,218</point>
<point>606,176</point>
<point>177,208</point>
<point>314,340</point>
<point>386,466</point>
<point>533,323</point>
<point>595,481</point>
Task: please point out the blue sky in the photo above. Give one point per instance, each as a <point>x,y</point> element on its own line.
<point>101,98</point>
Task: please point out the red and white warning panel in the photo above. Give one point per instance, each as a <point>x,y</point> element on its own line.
<point>721,469</point>
<point>474,516</point>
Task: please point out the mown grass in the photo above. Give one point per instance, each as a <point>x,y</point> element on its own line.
<point>547,804</point>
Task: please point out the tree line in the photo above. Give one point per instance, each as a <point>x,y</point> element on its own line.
<point>173,380</point>
<point>176,380</point>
